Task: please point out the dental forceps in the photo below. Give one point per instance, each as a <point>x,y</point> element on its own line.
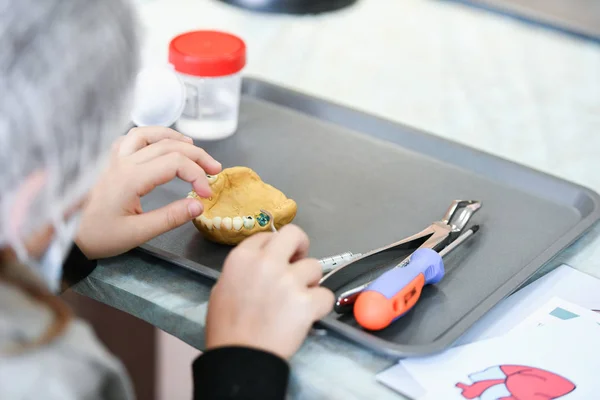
<point>435,237</point>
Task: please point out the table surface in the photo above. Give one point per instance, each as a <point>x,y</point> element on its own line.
<point>518,91</point>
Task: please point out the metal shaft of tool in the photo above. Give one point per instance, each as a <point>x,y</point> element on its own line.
<point>330,263</point>
<point>459,240</point>
<point>336,261</point>
<point>327,263</point>
<point>347,298</point>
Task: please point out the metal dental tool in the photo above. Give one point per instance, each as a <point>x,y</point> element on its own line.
<point>330,263</point>
<point>435,237</point>
<point>327,263</point>
<point>395,292</point>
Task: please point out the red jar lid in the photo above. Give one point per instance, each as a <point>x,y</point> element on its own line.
<point>207,53</point>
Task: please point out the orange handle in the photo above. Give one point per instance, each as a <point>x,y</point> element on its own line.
<point>374,311</point>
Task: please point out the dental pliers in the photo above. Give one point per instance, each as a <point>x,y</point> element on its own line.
<point>434,238</point>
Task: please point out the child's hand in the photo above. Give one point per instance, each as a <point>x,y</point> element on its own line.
<point>113,221</point>
<point>268,295</point>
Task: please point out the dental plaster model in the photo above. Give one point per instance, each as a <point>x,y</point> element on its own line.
<point>233,212</point>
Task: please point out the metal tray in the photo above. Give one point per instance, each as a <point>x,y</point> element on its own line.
<point>363,182</point>
<point>578,18</point>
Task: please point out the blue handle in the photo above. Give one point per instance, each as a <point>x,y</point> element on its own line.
<point>423,261</point>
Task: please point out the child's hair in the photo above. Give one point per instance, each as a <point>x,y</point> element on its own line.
<point>67,71</point>
<point>22,278</point>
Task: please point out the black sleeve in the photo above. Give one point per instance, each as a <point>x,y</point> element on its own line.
<point>240,373</point>
<point>76,267</point>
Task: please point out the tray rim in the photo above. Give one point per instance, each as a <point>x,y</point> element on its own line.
<point>447,338</point>
<point>527,16</point>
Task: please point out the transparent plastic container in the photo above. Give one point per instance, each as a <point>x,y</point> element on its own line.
<point>210,65</point>
<point>211,107</point>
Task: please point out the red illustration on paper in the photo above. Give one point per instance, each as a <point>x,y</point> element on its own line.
<point>515,382</point>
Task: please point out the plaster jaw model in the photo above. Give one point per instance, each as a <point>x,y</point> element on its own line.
<point>233,212</point>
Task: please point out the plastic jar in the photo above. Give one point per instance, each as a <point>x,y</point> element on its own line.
<point>210,64</point>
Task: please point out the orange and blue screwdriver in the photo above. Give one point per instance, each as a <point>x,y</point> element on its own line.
<point>396,291</point>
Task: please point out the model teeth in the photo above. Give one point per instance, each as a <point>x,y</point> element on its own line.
<point>206,222</point>
<point>248,222</point>
<point>227,223</point>
<point>237,223</point>
<point>211,178</point>
<point>263,219</point>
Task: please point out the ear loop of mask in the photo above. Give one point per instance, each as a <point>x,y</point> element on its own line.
<point>49,266</point>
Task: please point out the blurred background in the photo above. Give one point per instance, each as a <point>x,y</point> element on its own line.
<point>516,78</point>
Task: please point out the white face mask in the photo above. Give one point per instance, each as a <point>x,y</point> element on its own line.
<point>50,266</point>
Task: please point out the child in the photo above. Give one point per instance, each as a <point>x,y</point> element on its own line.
<point>66,72</point>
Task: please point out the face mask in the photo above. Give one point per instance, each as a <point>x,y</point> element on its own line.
<point>51,263</point>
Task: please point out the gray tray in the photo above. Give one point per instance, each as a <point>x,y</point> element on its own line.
<point>579,18</point>
<point>362,182</point>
